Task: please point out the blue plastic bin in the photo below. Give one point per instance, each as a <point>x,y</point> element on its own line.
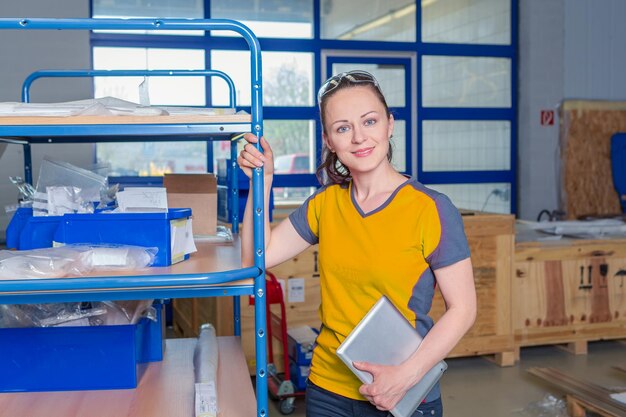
<point>26,232</point>
<point>78,358</point>
<point>141,229</point>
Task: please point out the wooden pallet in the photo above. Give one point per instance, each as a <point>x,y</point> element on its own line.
<point>577,407</point>
<point>576,347</point>
<point>582,396</point>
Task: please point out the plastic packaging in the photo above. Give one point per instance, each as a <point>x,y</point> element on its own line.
<point>48,315</point>
<point>65,188</point>
<point>27,191</point>
<point>104,106</point>
<point>205,360</point>
<point>222,234</point>
<point>73,259</point>
<point>76,314</point>
<point>548,406</point>
<point>128,312</point>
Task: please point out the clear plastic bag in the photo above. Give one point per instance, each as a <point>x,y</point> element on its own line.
<point>128,312</point>
<point>38,263</point>
<point>76,314</point>
<point>27,191</point>
<point>49,315</point>
<point>72,260</point>
<point>75,187</point>
<point>548,406</point>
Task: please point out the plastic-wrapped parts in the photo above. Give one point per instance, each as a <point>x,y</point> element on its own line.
<point>205,368</point>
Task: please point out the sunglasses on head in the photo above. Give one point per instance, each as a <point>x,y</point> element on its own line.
<point>355,76</point>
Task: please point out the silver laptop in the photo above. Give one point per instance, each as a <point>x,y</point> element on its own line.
<point>385,337</point>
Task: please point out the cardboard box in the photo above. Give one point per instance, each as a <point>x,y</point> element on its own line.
<point>198,192</point>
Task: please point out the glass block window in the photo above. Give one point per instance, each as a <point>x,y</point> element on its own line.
<point>287,78</point>
<point>489,197</point>
<point>153,9</point>
<point>162,90</point>
<point>369,20</point>
<point>268,19</point>
<point>459,145</point>
<point>467,21</point>
<point>390,78</point>
<point>455,81</point>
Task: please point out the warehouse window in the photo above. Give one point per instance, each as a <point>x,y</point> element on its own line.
<point>287,78</point>
<point>149,9</point>
<point>459,145</point>
<point>453,81</point>
<point>467,109</point>
<point>151,158</point>
<point>379,20</point>
<point>161,90</point>
<point>455,105</point>
<point>268,19</point>
<point>467,21</point>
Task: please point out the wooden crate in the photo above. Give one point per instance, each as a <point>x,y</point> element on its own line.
<point>189,313</point>
<point>491,240</point>
<point>569,291</point>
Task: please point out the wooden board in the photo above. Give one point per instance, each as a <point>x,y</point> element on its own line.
<point>585,396</point>
<point>165,390</point>
<point>577,407</point>
<point>585,141</point>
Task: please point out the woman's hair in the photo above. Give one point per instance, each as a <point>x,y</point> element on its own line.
<point>331,170</point>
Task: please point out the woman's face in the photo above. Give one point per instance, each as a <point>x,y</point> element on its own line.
<point>357,129</point>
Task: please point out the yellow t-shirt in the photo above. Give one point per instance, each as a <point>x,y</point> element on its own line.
<point>390,251</point>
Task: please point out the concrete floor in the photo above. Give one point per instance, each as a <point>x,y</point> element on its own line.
<point>477,387</point>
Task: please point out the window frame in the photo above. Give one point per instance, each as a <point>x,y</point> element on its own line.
<point>316,45</point>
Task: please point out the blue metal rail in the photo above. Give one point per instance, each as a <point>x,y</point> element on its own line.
<point>126,73</point>
<point>159,286</point>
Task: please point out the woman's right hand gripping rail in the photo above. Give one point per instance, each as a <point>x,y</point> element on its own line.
<point>282,242</point>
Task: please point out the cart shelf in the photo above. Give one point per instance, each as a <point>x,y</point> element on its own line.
<point>166,390</point>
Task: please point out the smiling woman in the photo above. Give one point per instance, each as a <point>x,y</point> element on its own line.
<point>379,234</point>
<point>355,118</point>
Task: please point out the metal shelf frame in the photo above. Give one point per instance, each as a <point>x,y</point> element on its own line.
<point>160,131</point>
<point>157,286</point>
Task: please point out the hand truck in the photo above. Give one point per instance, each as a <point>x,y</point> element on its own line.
<point>279,385</point>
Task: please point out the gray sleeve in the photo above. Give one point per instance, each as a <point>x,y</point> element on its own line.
<point>299,220</point>
<point>452,246</point>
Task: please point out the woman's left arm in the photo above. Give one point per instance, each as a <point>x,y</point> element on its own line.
<point>456,283</point>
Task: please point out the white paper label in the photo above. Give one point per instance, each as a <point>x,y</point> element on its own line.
<point>295,290</point>
<point>149,199</point>
<point>206,399</point>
